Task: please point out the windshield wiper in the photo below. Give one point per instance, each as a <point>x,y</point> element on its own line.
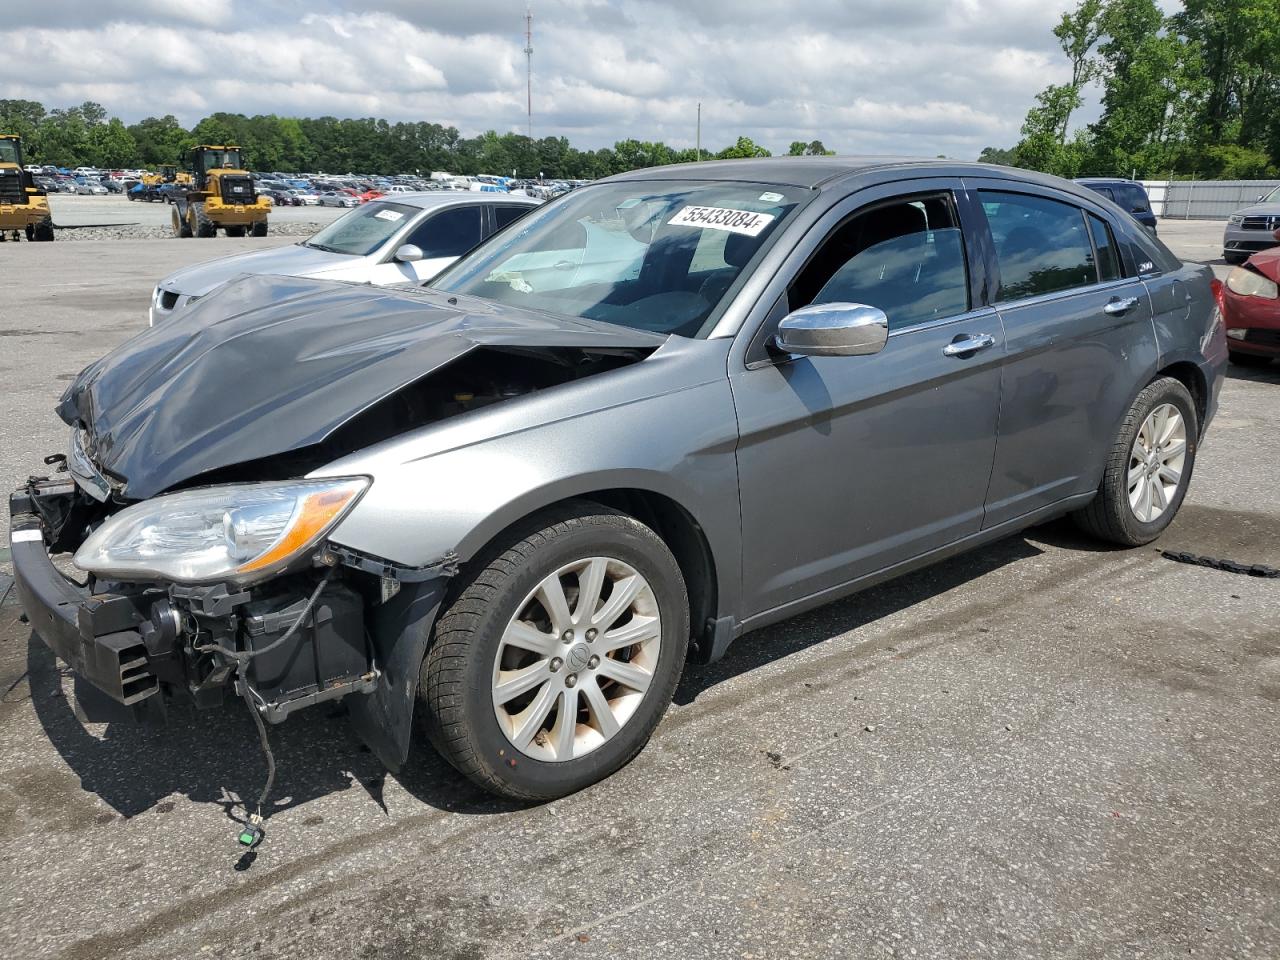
<point>321,246</point>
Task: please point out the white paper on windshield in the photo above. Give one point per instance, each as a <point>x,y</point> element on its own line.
<point>392,215</point>
<point>747,222</point>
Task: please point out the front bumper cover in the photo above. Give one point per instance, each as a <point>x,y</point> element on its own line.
<point>94,633</point>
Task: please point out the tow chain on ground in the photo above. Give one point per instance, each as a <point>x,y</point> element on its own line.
<point>1230,566</point>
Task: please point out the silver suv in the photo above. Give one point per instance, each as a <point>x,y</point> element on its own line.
<point>1252,229</point>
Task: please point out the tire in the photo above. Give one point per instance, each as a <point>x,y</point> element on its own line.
<point>259,229</point>
<point>1248,359</point>
<point>181,229</point>
<point>457,690</point>
<point>1111,516</point>
<point>43,232</point>
<point>203,226</point>
<point>1235,259</point>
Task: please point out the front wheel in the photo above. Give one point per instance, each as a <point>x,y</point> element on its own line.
<point>1148,469</point>
<point>555,662</point>
<point>259,229</point>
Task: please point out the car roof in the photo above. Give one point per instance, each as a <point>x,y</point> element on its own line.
<point>818,173</point>
<point>430,199</point>
<point>1107,181</point>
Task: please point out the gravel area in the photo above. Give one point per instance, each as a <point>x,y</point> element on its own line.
<point>141,232</point>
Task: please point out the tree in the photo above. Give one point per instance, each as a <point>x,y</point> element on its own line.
<point>812,149</point>
<point>1077,32</point>
<point>745,147</point>
<point>110,145</point>
<point>158,140</point>
<point>997,155</point>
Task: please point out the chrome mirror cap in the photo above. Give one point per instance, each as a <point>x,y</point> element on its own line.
<point>833,330</point>
<point>409,252</point>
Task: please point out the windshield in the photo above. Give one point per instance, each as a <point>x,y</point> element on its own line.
<point>657,255</point>
<point>1273,196</point>
<point>363,230</point>
<point>8,151</point>
<point>221,160</point>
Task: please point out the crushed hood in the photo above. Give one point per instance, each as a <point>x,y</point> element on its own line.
<point>267,365</point>
<point>294,260</point>
<point>1267,263</point>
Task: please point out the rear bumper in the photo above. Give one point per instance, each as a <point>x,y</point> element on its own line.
<point>94,634</point>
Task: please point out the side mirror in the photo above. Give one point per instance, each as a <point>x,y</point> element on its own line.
<point>1259,198</point>
<point>833,330</point>
<point>409,252</point>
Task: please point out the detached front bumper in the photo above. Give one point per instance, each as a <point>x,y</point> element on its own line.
<point>95,634</point>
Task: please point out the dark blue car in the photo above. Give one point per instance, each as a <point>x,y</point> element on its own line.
<point>1129,195</point>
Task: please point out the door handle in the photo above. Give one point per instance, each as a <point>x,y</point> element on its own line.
<point>969,343</point>
<point>1120,305</point>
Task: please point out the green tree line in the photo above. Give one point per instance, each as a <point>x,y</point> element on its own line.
<point>1192,94</point>
<point>85,136</point>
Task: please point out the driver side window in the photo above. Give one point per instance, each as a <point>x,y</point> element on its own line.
<point>905,257</point>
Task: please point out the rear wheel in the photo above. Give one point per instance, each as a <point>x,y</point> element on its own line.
<point>1148,469</point>
<point>1248,359</point>
<point>259,229</point>
<point>42,233</point>
<point>554,664</point>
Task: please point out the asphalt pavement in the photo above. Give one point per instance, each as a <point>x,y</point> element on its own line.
<point>1041,749</point>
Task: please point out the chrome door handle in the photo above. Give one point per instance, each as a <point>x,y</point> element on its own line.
<point>1120,305</point>
<point>970,343</point>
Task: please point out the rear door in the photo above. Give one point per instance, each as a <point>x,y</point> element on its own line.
<point>1079,343</point>
<point>849,465</point>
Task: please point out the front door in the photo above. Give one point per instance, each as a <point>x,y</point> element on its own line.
<point>850,465</point>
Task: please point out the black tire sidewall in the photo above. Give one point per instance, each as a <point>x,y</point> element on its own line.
<point>1158,393</point>
<point>640,548</point>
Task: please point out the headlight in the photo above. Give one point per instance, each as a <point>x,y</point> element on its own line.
<point>1235,219</point>
<point>238,532</point>
<point>1246,283</point>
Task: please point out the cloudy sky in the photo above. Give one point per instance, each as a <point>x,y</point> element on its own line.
<point>865,76</point>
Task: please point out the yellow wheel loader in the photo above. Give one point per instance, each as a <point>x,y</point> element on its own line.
<point>24,208</point>
<point>221,197</point>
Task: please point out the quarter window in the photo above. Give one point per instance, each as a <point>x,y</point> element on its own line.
<point>1041,244</point>
<point>905,257</point>
<point>1105,245</point>
<point>506,215</point>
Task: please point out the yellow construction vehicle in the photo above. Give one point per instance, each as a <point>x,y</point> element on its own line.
<point>221,197</point>
<point>24,208</point>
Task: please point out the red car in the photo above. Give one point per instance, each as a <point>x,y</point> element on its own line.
<point>1251,308</point>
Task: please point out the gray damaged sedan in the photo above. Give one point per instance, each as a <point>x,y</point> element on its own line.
<point>669,408</point>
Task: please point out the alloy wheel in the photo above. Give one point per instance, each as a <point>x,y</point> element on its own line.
<point>1156,462</point>
<point>575,661</point>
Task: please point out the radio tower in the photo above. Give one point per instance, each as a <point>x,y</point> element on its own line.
<point>528,60</point>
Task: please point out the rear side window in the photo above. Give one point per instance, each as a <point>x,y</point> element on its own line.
<point>451,233</point>
<point>1134,199</point>
<point>905,257</point>
<point>1041,245</point>
<point>504,216</point>
<point>1105,245</point>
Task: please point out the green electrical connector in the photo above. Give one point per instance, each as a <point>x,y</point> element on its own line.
<point>251,835</point>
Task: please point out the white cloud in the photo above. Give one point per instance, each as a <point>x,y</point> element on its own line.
<point>902,76</point>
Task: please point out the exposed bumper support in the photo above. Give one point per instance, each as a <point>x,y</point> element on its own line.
<point>93,633</point>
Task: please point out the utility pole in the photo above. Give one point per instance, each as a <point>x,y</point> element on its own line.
<point>528,60</point>
<point>699,130</point>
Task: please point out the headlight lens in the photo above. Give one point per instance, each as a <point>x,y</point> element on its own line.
<point>238,532</point>
<point>1246,283</point>
<point>1235,218</point>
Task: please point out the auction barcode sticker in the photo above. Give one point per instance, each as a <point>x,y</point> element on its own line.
<point>746,222</point>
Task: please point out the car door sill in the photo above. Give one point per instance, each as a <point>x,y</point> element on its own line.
<point>999,532</point>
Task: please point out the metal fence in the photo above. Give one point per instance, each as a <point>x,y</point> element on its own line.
<point>1204,199</point>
